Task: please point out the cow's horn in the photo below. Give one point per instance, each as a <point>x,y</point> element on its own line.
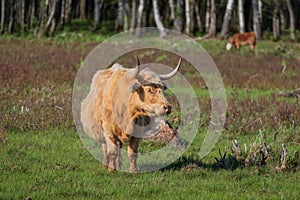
<point>171,74</point>
<point>137,68</point>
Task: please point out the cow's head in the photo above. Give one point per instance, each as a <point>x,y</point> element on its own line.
<point>148,92</point>
<point>140,94</point>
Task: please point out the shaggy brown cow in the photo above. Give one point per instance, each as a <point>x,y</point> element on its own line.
<point>239,39</point>
<point>121,107</point>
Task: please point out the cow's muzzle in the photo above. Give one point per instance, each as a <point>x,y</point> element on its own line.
<point>167,109</point>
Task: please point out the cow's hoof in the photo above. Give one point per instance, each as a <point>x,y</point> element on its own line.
<point>111,169</point>
<point>134,171</point>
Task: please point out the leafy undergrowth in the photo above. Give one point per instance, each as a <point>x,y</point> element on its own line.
<point>42,156</point>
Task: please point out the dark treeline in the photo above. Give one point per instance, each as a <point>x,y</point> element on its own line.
<point>208,17</point>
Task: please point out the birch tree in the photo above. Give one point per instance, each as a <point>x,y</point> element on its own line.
<point>178,22</point>
<point>276,20</point>
<point>198,17</point>
<point>159,24</point>
<point>133,16</point>
<point>97,11</point>
<point>227,18</point>
<point>213,19</point>
<point>140,17</point>
<point>241,16</point>
<point>256,21</point>
<point>120,16</point>
<point>62,14</point>
<point>2,16</point>
<point>82,9</point>
<point>51,19</point>
<point>187,17</point>
<point>207,16</point>
<point>11,17</point>
<point>172,10</point>
<point>292,19</point>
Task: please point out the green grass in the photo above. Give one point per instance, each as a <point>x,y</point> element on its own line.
<point>41,155</point>
<point>54,165</point>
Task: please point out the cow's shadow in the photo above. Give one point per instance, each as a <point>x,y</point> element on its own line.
<point>191,163</point>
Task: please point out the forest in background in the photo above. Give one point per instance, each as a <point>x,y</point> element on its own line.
<point>209,18</point>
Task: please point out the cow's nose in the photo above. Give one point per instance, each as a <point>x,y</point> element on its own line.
<point>167,109</point>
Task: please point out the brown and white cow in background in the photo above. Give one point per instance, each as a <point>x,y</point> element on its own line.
<point>120,105</point>
<point>239,39</point>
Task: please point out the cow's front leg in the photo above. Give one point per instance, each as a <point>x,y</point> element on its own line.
<point>105,155</point>
<point>133,153</point>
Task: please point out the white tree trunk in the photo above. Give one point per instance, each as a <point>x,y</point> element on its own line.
<point>62,14</point>
<point>2,16</point>
<point>133,16</point>
<point>140,17</point>
<point>22,22</point>
<point>120,16</point>
<point>198,18</point>
<point>256,21</point>
<point>126,15</point>
<point>241,16</point>
<point>207,16</point>
<point>178,22</point>
<point>227,18</point>
<point>276,21</point>
<point>187,17</point>
<point>292,19</point>
<point>172,10</point>
<point>213,20</point>
<point>68,10</point>
<point>260,11</point>
<point>158,22</point>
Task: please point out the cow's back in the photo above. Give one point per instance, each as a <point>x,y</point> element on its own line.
<point>96,111</point>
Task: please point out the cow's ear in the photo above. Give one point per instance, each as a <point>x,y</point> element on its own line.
<point>135,87</point>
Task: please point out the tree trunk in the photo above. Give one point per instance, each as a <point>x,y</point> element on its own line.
<point>282,21</point>
<point>140,17</point>
<point>227,17</point>
<point>172,10</point>
<point>22,19</point>
<point>256,21</point>
<point>82,9</point>
<point>97,11</point>
<point>2,16</point>
<point>158,22</point>
<point>120,17</point>
<point>292,19</point>
<point>213,19</point>
<point>32,14</point>
<point>241,16</point>
<point>51,17</point>
<point>126,15</point>
<point>11,17</point>
<point>62,14</point>
<point>260,11</point>
<point>53,26</point>
<point>187,17</point>
<point>207,16</point>
<point>133,16</point>
<point>198,18</point>
<point>276,21</point>
<point>178,22</point>
<point>68,10</point>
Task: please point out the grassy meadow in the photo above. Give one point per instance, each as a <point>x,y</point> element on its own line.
<point>42,157</point>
